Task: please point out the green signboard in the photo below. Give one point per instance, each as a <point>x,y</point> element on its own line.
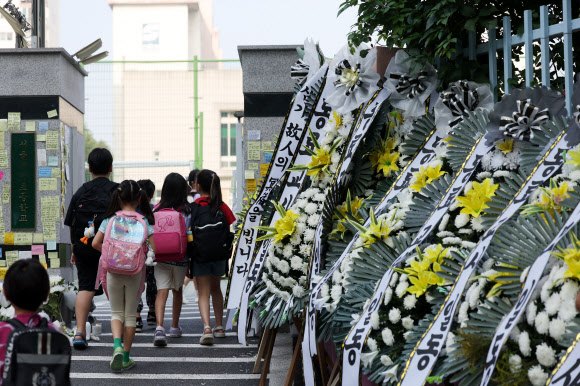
<point>23,174</point>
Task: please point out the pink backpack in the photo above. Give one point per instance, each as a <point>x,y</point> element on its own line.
<point>124,247</point>
<point>170,235</point>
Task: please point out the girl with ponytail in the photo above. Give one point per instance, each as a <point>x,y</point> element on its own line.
<point>124,288</point>
<point>207,211</point>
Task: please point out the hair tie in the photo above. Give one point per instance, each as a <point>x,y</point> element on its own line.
<point>140,189</point>
<point>119,189</point>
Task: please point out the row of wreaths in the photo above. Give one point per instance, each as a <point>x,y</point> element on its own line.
<point>432,237</point>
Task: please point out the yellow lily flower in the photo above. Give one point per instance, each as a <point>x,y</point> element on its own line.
<point>426,176</point>
<point>476,199</point>
<point>387,163</point>
<point>506,147</point>
<point>421,283</point>
<point>319,164</point>
<point>575,157</point>
<point>283,227</point>
<point>571,257</point>
<point>336,120</point>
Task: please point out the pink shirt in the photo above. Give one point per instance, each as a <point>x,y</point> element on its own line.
<point>6,328</point>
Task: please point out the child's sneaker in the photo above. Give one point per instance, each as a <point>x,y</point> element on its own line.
<point>117,360</point>
<point>139,325</point>
<point>128,365</point>
<point>159,340</point>
<point>175,332</point>
<point>151,318</point>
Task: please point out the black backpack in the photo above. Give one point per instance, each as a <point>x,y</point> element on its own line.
<point>38,356</point>
<point>90,206</point>
<point>212,238</point>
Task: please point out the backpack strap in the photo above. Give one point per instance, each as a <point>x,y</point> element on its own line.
<point>17,324</point>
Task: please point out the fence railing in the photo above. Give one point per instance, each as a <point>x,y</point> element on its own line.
<point>529,36</point>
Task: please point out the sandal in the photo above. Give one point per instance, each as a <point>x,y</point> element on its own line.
<point>217,334</point>
<point>206,339</point>
<point>80,344</point>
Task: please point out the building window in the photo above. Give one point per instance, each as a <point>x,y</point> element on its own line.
<point>228,128</point>
<point>150,34</point>
<point>5,35</point>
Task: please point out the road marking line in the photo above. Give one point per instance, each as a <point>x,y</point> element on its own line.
<point>89,358</point>
<point>232,334</point>
<point>167,312</point>
<point>178,345</point>
<point>132,375</point>
<point>108,317</point>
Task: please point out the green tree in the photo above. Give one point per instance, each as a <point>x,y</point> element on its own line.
<point>91,142</point>
<point>436,31</point>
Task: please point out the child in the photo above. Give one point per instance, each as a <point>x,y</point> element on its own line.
<point>26,286</point>
<point>124,290</point>
<point>151,294</point>
<point>208,274</point>
<point>169,275</point>
<point>89,203</point>
<point>193,195</point>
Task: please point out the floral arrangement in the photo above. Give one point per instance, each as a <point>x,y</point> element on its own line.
<point>284,291</point>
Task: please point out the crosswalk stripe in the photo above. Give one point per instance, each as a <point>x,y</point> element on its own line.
<point>232,334</point>
<point>89,358</point>
<point>166,313</point>
<point>132,375</point>
<point>168,317</point>
<point>180,345</point>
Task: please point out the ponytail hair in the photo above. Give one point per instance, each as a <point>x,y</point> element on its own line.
<point>129,192</point>
<point>209,182</point>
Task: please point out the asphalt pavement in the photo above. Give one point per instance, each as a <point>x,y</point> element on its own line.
<point>183,361</point>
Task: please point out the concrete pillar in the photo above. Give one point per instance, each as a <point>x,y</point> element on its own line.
<point>47,87</point>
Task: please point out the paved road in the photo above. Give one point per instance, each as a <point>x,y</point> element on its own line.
<point>183,361</point>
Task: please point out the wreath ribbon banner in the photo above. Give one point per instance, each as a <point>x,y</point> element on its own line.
<point>427,350</point>
<point>353,343</point>
<point>287,197</point>
<point>284,157</point>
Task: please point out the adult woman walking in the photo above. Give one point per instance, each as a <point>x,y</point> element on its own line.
<point>210,223</point>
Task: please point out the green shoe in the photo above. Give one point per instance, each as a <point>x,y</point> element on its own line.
<point>117,361</point>
<point>128,365</point>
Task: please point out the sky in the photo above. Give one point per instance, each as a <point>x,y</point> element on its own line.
<point>240,22</point>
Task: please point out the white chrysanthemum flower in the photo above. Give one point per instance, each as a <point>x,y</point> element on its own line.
<point>298,291</point>
<point>515,362</point>
<point>337,276</point>
<point>409,302</point>
<point>336,292</point>
<point>54,280</point>
<point>309,235</point>
<point>407,322</point>
<point>296,262</point>
<point>477,224</point>
<point>310,208</point>
<point>531,311</point>
<point>486,161</point>
<point>296,239</point>
<point>325,290</point>
<point>305,249</point>
<point>386,360</point>
<point>302,219</point>
<point>401,288</point>
<point>387,336</point>
<point>501,173</point>
<point>542,322</point>
<point>553,304</point>
<point>483,175</point>
<point>569,290</point>
<point>283,266</point>
<point>575,175</point>
<point>537,376</point>
<point>524,344</point>
<point>462,317</point>
<point>472,295</point>
<point>372,344</point>
<point>394,315</point>
<point>388,296</point>
<point>497,160</point>
<point>452,240</point>
<point>444,234</point>
<point>557,329</point>
<point>546,355</point>
<point>375,320</point>
<point>443,223</point>
<point>56,288</point>
<point>468,244</point>
<point>441,151</point>
<point>449,343</point>
<point>313,220</point>
<point>568,310</point>
<point>287,251</point>
<point>461,220</point>
<point>515,334</point>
